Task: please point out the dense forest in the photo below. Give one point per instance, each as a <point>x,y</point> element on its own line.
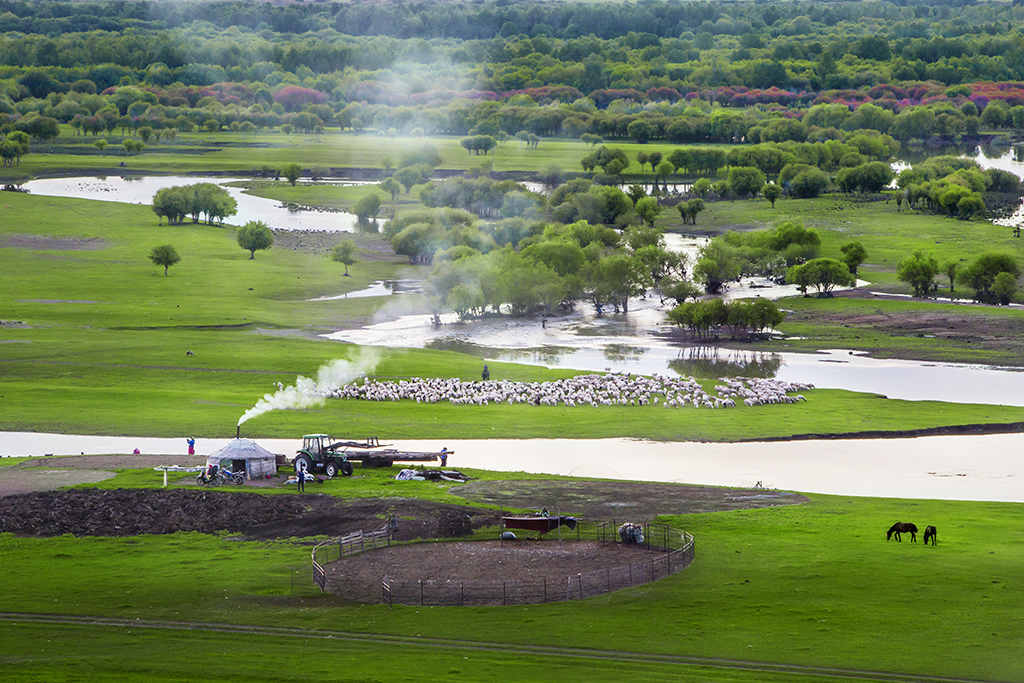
<point>682,72</point>
<point>764,98</point>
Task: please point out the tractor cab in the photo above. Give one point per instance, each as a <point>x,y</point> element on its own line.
<point>320,454</point>
<point>316,444</point>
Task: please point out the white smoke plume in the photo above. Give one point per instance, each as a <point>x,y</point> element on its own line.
<point>309,393</point>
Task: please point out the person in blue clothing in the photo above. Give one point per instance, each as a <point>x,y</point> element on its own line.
<point>444,456</point>
<point>191,445</point>
<point>300,476</point>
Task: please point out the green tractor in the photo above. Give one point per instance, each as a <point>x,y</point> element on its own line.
<point>320,453</point>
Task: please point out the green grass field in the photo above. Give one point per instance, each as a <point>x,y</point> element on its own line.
<point>812,585</point>
<point>331,196</point>
<point>102,340</point>
<point>229,151</point>
<point>888,235</point>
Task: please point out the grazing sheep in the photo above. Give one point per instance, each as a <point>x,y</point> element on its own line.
<point>594,390</point>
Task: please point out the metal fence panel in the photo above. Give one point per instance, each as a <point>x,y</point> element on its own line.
<point>671,551</point>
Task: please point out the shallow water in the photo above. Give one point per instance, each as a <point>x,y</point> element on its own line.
<point>1001,158</point>
<point>936,467</point>
<point>631,343</point>
<point>378,288</point>
<point>140,190</point>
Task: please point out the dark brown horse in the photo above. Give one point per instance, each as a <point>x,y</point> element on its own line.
<point>930,534</point>
<point>902,528</point>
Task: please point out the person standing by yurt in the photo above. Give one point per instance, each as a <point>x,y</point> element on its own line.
<point>191,441</point>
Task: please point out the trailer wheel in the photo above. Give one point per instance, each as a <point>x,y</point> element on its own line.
<point>346,468</point>
<point>331,470</point>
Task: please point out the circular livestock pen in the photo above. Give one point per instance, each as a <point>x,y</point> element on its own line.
<point>594,558</point>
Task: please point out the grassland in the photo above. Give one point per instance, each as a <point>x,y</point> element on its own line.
<point>101,338</point>
<point>814,584</point>
<point>229,151</point>
<point>888,235</point>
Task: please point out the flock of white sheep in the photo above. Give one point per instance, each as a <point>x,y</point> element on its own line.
<point>583,390</point>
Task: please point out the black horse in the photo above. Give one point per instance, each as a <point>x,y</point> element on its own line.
<point>930,533</point>
<point>902,528</point>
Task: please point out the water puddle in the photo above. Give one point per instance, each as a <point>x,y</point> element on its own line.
<point>378,288</point>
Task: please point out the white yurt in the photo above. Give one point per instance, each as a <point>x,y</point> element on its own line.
<point>245,455</point>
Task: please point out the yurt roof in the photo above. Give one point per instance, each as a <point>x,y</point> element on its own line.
<point>242,449</point>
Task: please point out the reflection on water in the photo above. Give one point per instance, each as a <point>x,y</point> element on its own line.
<point>544,355</point>
<point>136,189</point>
<point>623,353</point>
<point>714,361</point>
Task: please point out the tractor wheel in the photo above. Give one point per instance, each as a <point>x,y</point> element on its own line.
<point>346,468</point>
<point>331,470</point>
<point>303,462</point>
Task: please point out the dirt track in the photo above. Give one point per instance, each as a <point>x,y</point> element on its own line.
<point>974,325</point>
<point>620,500</point>
<point>50,473</point>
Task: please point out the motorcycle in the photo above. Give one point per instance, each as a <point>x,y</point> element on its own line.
<point>218,476</point>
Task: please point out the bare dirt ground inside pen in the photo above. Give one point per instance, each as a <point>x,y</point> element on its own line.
<point>479,561</point>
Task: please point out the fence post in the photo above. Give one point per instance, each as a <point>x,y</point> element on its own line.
<point>504,593</point>
<point>421,592</point>
<point>608,578</point>
<point>652,569</point>
<point>462,593</point>
<point>545,589</point>
<point>580,578</point>
<point>630,565</point>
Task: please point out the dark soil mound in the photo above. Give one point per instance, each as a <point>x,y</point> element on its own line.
<point>128,512</point>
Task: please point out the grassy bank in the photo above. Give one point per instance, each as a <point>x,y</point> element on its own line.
<point>814,584</point>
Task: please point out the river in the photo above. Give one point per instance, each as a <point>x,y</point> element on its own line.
<point>933,467</point>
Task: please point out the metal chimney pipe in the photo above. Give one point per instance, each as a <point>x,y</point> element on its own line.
<point>238,432</point>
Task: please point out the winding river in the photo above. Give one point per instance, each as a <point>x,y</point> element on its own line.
<point>934,467</point>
